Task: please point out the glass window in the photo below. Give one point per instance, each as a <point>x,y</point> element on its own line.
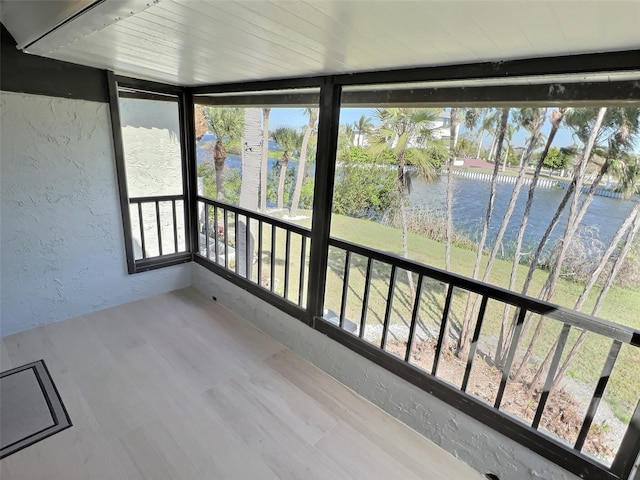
<point>257,151</point>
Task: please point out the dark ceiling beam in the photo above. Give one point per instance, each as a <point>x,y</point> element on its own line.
<point>264,100</point>
<point>568,94</point>
<point>26,73</point>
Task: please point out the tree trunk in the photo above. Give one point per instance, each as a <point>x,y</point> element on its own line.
<point>631,225</point>
<point>301,164</point>
<point>572,224</point>
<point>281,179</point>
<point>200,122</point>
<point>480,144</point>
<point>506,158</point>
<point>219,156</point>
<point>513,199</point>
<point>502,348</point>
<point>464,341</point>
<point>453,130</point>
<point>510,208</point>
<point>264,163</point>
<point>249,189</point>
<point>402,199</point>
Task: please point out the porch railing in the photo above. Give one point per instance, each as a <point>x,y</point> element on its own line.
<point>271,258</point>
<point>527,430</point>
<point>158,229</point>
<point>250,245</point>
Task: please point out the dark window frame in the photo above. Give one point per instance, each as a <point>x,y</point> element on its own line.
<point>134,88</point>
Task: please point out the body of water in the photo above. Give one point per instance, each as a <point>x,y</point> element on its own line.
<point>602,219</point>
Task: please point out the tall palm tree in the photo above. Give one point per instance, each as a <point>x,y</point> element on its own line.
<point>400,129</point>
<point>628,229</point>
<point>508,138</point>
<point>464,341</point>
<point>289,140</point>
<point>488,125</point>
<point>621,127</point>
<point>362,128</point>
<point>572,195</point>
<point>556,118</point>
<point>264,162</point>
<point>534,126</point>
<point>453,141</point>
<point>312,113</point>
<point>226,124</point>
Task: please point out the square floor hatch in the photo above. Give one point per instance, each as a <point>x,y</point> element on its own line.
<point>30,407</point>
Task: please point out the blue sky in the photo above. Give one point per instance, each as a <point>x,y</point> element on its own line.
<point>295,117</point>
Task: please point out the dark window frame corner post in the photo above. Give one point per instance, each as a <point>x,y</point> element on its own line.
<point>189,171</point>
<point>121,176</point>
<point>328,124</point>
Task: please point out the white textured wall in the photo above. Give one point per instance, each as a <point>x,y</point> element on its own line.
<point>62,245</point>
<point>482,448</point>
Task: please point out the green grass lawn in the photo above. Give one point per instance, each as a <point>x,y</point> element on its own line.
<point>621,305</point>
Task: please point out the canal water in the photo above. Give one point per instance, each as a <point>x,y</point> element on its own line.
<point>604,216</point>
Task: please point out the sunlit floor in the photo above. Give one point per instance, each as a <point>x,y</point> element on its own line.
<point>175,386</point>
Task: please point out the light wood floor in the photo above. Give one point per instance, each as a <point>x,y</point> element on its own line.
<point>177,387</point>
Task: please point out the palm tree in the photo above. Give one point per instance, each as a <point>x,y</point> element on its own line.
<point>400,129</point>
<point>289,140</point>
<point>453,138</point>
<point>556,118</point>
<point>471,118</point>
<point>629,228</point>
<point>488,125</point>
<point>264,162</point>
<point>464,341</point>
<point>533,120</point>
<point>348,135</point>
<point>621,126</point>
<point>311,124</point>
<point>573,193</point>
<point>361,128</point>
<point>508,138</point>
<point>226,124</point>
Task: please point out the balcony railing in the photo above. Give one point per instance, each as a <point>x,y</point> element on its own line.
<point>270,258</point>
<point>281,270</point>
<point>158,230</point>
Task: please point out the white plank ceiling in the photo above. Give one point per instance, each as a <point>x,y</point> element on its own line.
<point>191,42</point>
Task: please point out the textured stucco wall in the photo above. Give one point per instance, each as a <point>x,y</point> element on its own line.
<point>471,441</point>
<point>62,245</point>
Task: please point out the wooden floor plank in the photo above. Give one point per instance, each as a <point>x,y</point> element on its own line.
<point>175,386</point>
<point>5,361</point>
<point>359,457</point>
<point>416,453</point>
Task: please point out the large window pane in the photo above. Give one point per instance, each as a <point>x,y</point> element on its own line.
<point>400,158</point>
<point>257,151</point>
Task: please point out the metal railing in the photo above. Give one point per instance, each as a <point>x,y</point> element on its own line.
<point>250,247</point>
<point>247,244</point>
<point>615,334</point>
<point>159,234</point>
